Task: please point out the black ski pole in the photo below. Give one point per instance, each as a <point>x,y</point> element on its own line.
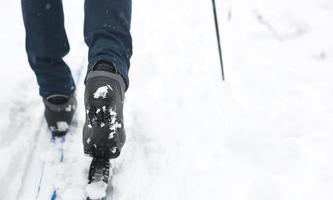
<point>218,37</point>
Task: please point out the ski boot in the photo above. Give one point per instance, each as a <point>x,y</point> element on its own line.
<point>59,112</point>
<point>103,131</point>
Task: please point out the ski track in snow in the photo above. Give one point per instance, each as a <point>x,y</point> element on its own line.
<point>266,133</point>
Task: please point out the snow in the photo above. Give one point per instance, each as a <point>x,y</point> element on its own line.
<point>69,108</point>
<point>62,126</point>
<point>96,190</point>
<point>101,92</point>
<point>265,133</point>
<point>114,125</point>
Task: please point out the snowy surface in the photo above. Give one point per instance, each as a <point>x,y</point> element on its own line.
<point>96,190</point>
<point>264,134</point>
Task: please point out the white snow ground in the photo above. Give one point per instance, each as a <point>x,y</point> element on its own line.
<point>266,133</point>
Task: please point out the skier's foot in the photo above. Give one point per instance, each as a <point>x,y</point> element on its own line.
<point>103,131</point>
<point>59,112</point>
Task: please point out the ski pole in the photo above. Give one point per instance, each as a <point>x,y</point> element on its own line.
<point>218,37</point>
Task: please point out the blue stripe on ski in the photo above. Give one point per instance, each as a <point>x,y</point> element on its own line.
<point>54,195</point>
<point>40,181</point>
<point>62,154</point>
<point>61,159</point>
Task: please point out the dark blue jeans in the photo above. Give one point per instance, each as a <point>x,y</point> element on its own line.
<point>106,32</point>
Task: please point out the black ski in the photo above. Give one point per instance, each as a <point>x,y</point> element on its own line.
<point>99,172</point>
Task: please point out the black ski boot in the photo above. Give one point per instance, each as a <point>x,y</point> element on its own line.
<point>59,112</point>
<point>103,131</point>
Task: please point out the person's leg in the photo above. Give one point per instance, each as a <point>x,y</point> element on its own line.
<point>107,34</point>
<point>46,45</point>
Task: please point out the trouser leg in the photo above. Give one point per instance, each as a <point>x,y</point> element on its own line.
<point>46,45</point>
<point>107,33</point>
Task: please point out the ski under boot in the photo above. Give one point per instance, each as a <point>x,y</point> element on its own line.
<point>59,112</point>
<point>98,179</point>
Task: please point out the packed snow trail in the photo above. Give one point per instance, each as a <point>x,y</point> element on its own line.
<point>266,133</point>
